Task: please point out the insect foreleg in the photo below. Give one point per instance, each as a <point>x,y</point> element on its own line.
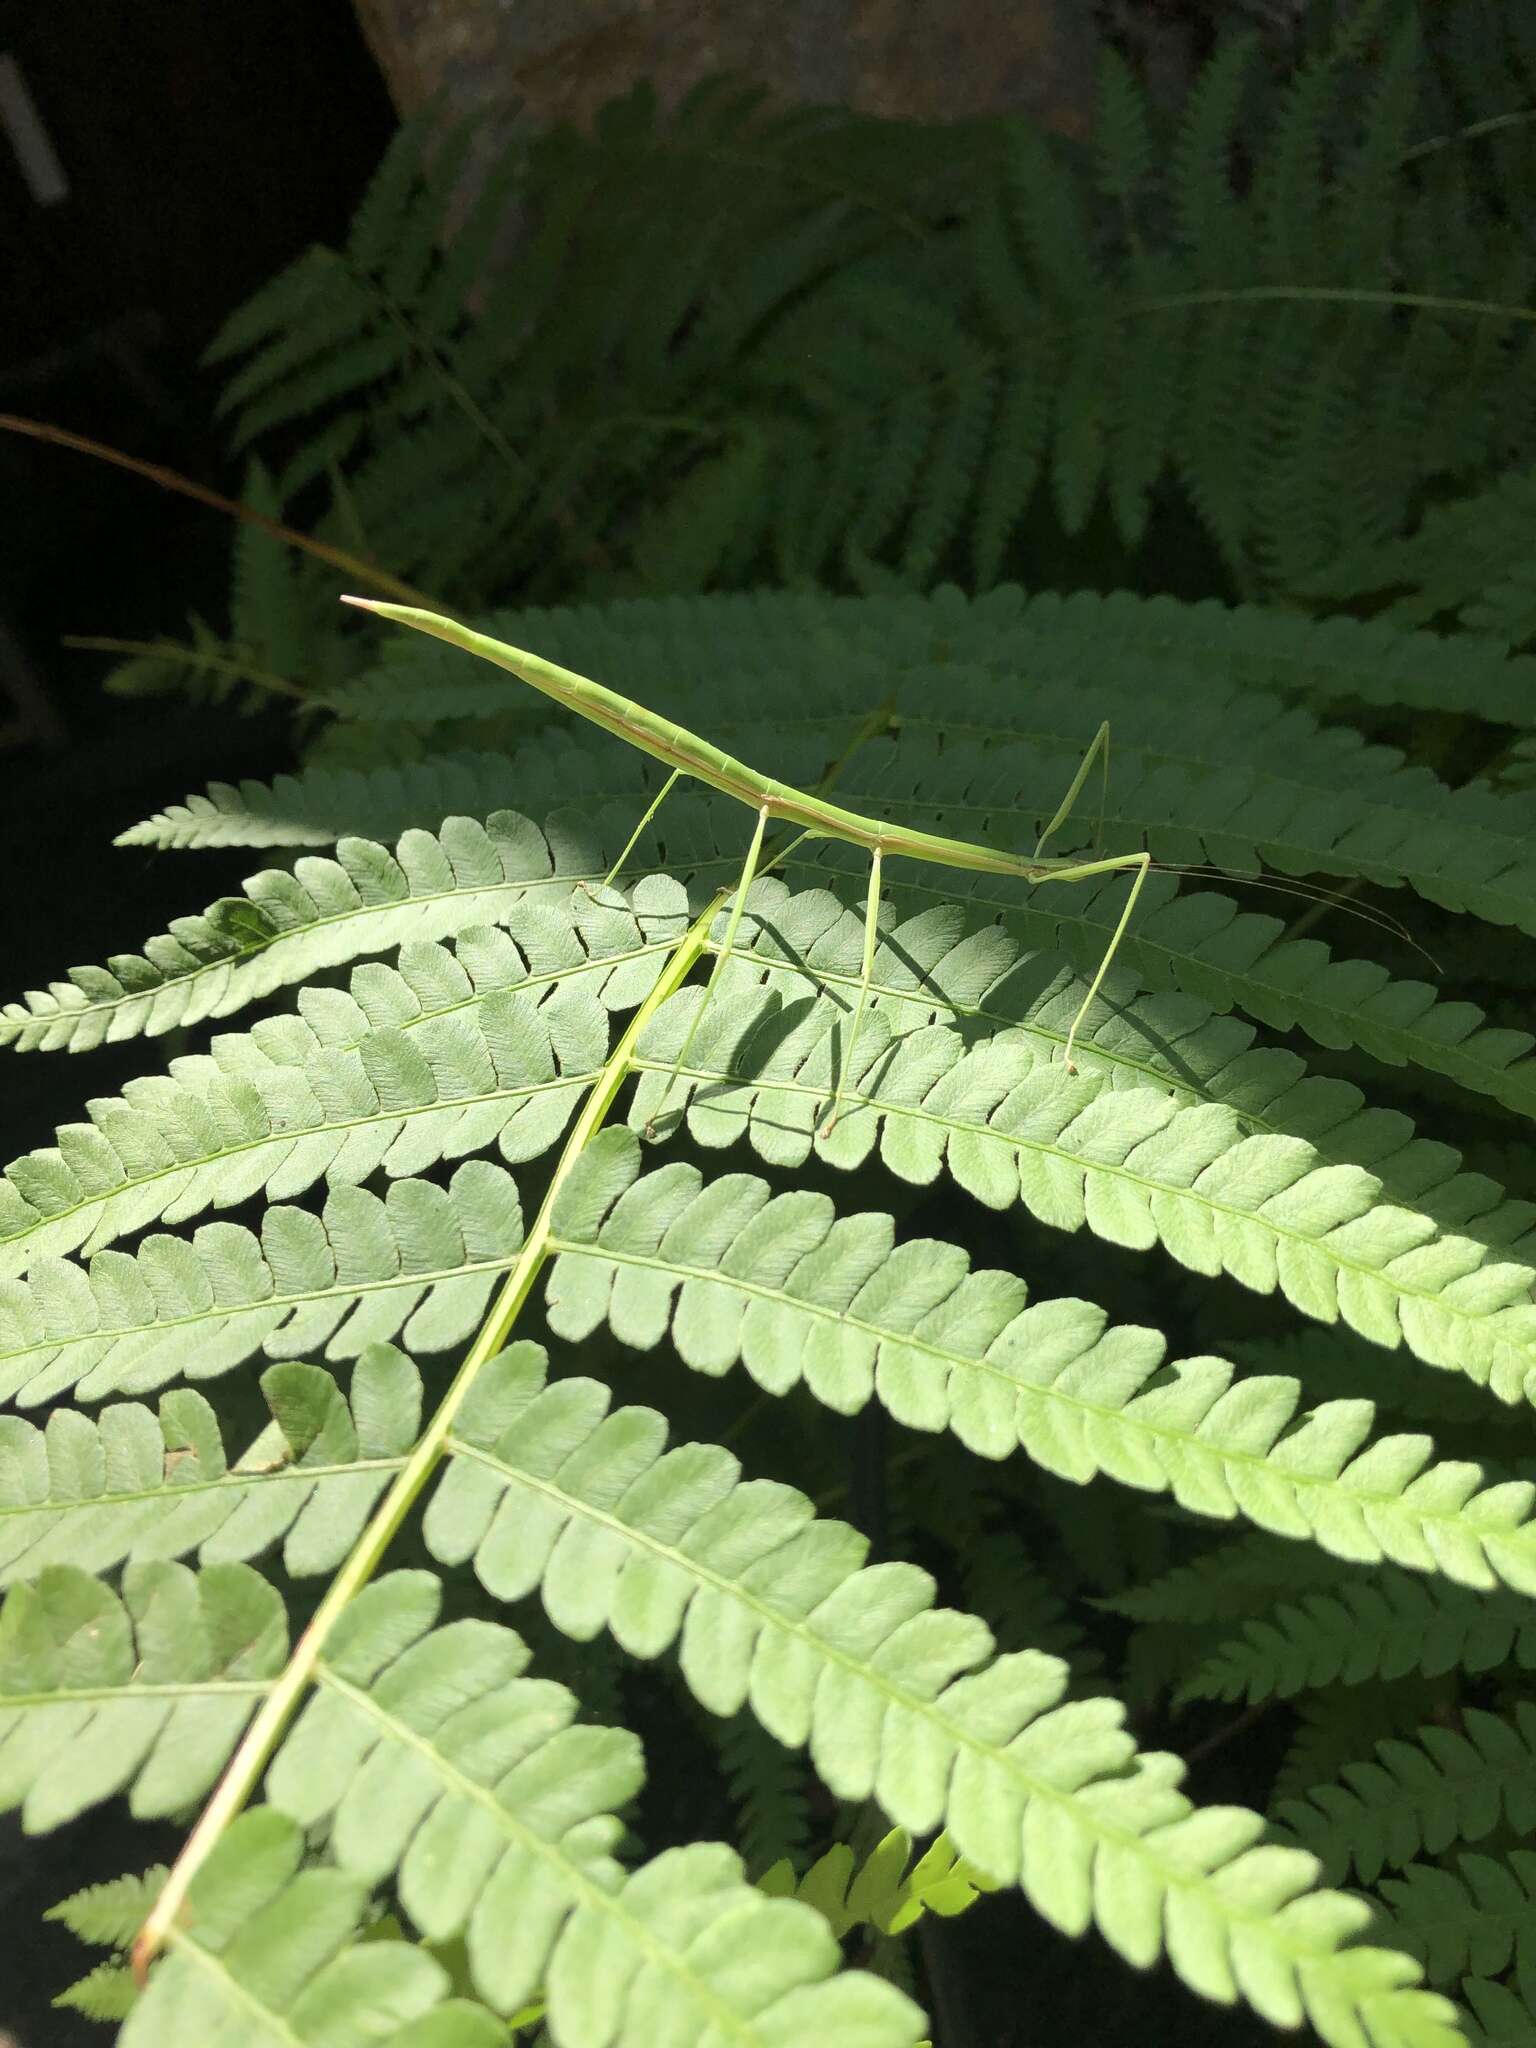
<point>1098,746</point>
<point>871,935</point>
<point>715,972</point>
<point>1142,862</point>
<point>629,845</point>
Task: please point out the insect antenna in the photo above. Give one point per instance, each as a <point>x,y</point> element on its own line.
<point>1308,892</point>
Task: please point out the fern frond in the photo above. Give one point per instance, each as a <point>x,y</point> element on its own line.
<point>422,1261</point>
<point>317,807</point>
<point>1380,1628</point>
<point>898,1701</point>
<point>790,1290</point>
<point>1478,1919</point>
<point>1418,1797</point>
<point>146,1693</point>
<point>450,1753</point>
<point>1131,1164</point>
<point>137,1485</point>
<point>450,1051</point>
<point>673,1926</point>
<point>287,927</point>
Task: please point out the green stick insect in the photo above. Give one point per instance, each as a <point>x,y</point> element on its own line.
<point>684,753</point>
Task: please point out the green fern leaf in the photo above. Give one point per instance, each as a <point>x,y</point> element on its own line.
<point>858,1664</point>
<point>453,1754</point>
<point>1131,1164</point>
<point>287,927</point>
<point>441,1056</point>
<point>887,1891</point>
<point>145,1694</point>
<point>139,1486</point>
<point>424,1260</point>
<point>273,1953</point>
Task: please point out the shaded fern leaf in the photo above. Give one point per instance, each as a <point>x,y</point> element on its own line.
<point>767,1784</point>
<point>1339,1723</point>
<point>1224,1583</point>
<point>1419,1797</point>
<point>774,1609</point>
<point>1477,1919</point>
<point>1500,2016</point>
<point>1381,1628</point>
<point>949,662</point>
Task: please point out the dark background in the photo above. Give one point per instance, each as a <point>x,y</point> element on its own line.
<point>205,146</point>
<point>205,142</point>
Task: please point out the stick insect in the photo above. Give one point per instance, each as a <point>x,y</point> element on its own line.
<point>684,753</point>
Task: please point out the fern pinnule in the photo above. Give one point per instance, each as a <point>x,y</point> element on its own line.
<point>887,1891</point>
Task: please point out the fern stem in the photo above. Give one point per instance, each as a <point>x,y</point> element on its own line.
<point>277,1710</point>
<point>173,480</point>
<point>173,650</point>
<point>1328,294</point>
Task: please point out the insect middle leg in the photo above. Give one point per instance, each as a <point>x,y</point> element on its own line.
<point>629,845</point>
